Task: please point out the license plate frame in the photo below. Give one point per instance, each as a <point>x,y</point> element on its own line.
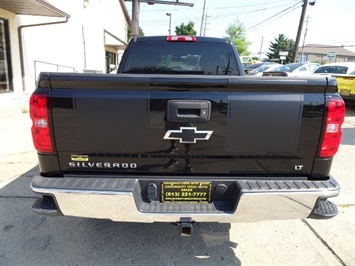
<point>195,192</point>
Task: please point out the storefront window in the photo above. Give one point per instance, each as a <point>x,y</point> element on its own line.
<point>5,69</point>
<point>111,62</point>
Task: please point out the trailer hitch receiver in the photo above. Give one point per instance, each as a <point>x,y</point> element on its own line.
<point>186,224</point>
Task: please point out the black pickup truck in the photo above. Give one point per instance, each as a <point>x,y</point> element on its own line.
<point>180,135</point>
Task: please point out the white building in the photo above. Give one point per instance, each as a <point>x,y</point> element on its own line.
<point>58,35</point>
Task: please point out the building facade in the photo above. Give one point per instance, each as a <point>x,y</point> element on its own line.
<point>59,36</point>
<point>319,53</point>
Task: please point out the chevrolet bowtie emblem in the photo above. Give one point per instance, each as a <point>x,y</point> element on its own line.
<point>188,134</point>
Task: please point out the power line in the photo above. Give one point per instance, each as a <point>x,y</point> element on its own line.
<point>240,6</point>
<point>175,20</point>
<point>352,40</point>
<point>223,15</point>
<point>276,16</point>
<point>330,46</point>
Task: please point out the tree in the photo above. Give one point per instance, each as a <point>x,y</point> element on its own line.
<point>282,43</point>
<point>129,32</point>
<point>236,32</point>
<point>187,30</point>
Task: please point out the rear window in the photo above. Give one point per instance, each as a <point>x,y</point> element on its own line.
<point>285,68</point>
<point>332,69</point>
<point>181,58</point>
<point>261,69</point>
<point>290,67</point>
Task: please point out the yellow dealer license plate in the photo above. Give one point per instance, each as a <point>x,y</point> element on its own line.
<point>186,192</point>
<point>345,92</point>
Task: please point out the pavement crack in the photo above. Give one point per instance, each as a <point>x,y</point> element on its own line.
<point>349,122</point>
<point>18,197</point>
<point>346,205</point>
<point>5,163</point>
<point>324,242</point>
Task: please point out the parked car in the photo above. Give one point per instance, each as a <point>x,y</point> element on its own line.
<point>346,86</point>
<point>249,59</point>
<point>259,70</point>
<point>292,69</point>
<point>336,68</point>
<point>345,75</point>
<point>250,67</point>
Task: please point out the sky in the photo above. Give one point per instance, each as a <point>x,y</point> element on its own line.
<point>330,22</point>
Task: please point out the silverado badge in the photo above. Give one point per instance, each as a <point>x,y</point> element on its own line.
<point>188,135</point>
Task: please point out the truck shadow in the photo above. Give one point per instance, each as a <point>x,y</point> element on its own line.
<point>79,241</point>
<point>348,137</point>
<point>161,243</point>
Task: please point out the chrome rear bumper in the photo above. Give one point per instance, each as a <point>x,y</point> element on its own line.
<point>119,199</point>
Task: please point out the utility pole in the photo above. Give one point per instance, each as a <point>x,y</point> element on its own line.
<point>203,16</point>
<point>169,14</point>
<point>135,18</point>
<point>261,46</point>
<point>300,26</point>
<point>135,11</point>
<point>204,30</point>
<point>304,37</point>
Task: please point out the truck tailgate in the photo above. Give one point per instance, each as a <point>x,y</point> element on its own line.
<point>186,124</point>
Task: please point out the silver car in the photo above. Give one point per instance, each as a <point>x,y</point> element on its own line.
<point>259,70</point>
<point>293,69</point>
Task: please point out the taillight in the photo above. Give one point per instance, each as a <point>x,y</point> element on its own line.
<point>181,39</point>
<point>332,134</point>
<point>40,124</point>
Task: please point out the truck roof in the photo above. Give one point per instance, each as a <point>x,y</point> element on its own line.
<point>164,38</point>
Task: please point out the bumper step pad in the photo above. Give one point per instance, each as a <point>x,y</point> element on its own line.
<point>46,206</point>
<point>324,209</point>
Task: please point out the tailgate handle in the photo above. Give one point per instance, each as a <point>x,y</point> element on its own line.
<point>188,111</point>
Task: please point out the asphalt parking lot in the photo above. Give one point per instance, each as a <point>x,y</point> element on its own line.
<point>28,239</point>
